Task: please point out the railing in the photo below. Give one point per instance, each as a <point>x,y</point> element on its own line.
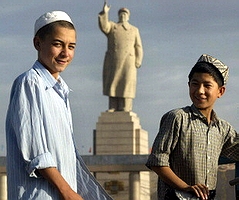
<point>115,163</point>
<point>234,182</point>
<point>99,163</point>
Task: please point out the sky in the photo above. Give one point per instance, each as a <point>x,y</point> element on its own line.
<point>174,35</point>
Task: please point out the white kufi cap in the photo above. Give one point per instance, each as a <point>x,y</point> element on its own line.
<point>50,17</point>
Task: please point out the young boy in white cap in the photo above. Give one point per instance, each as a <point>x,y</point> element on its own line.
<point>186,150</point>
<point>42,160</point>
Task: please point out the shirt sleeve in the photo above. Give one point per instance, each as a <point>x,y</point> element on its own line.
<point>27,121</point>
<point>165,141</point>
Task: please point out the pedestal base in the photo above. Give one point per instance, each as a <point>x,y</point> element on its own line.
<point>120,133</point>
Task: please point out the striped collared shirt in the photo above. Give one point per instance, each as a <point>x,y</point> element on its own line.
<point>191,146</point>
<point>39,135</point>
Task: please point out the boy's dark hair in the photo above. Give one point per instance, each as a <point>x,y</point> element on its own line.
<point>48,29</point>
<point>205,67</point>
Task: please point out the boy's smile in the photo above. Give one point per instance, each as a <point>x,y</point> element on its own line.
<point>204,91</point>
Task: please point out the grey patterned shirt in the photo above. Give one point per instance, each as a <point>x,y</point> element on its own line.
<point>191,146</point>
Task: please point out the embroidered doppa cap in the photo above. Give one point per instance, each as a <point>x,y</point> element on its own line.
<point>50,17</point>
<point>222,68</point>
<point>123,10</point>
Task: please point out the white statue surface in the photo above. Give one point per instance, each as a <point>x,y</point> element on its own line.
<point>123,56</point>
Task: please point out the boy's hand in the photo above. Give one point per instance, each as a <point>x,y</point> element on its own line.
<point>200,190</point>
<point>71,196</point>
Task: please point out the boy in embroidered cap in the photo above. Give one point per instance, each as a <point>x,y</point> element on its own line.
<point>222,68</point>
<point>42,159</point>
<point>191,139</point>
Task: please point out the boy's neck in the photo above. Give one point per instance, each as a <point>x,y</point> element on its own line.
<point>207,113</point>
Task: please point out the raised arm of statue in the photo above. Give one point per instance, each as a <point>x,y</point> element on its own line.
<point>106,8</point>
<point>103,17</point>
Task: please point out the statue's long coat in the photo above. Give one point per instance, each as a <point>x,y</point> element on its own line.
<point>124,55</point>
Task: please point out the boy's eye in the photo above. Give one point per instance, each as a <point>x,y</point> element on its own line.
<point>208,85</point>
<point>72,47</point>
<point>194,83</point>
<point>57,44</point>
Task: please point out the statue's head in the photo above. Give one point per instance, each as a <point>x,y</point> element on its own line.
<point>123,14</point>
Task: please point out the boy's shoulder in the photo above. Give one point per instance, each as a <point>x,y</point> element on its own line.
<point>189,113</point>
<point>33,76</point>
<point>177,114</point>
<point>26,76</point>
<point>223,123</point>
<point>179,111</point>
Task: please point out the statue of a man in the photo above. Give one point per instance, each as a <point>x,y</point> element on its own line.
<point>124,55</point>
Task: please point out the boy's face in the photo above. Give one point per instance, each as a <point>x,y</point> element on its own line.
<point>204,91</point>
<point>56,50</point>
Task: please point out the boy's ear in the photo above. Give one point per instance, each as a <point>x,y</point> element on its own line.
<point>36,42</point>
<point>221,91</point>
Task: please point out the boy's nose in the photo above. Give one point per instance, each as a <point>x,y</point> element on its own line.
<point>201,89</point>
<point>65,52</point>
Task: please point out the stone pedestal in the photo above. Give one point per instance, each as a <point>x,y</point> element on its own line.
<point>120,133</point>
